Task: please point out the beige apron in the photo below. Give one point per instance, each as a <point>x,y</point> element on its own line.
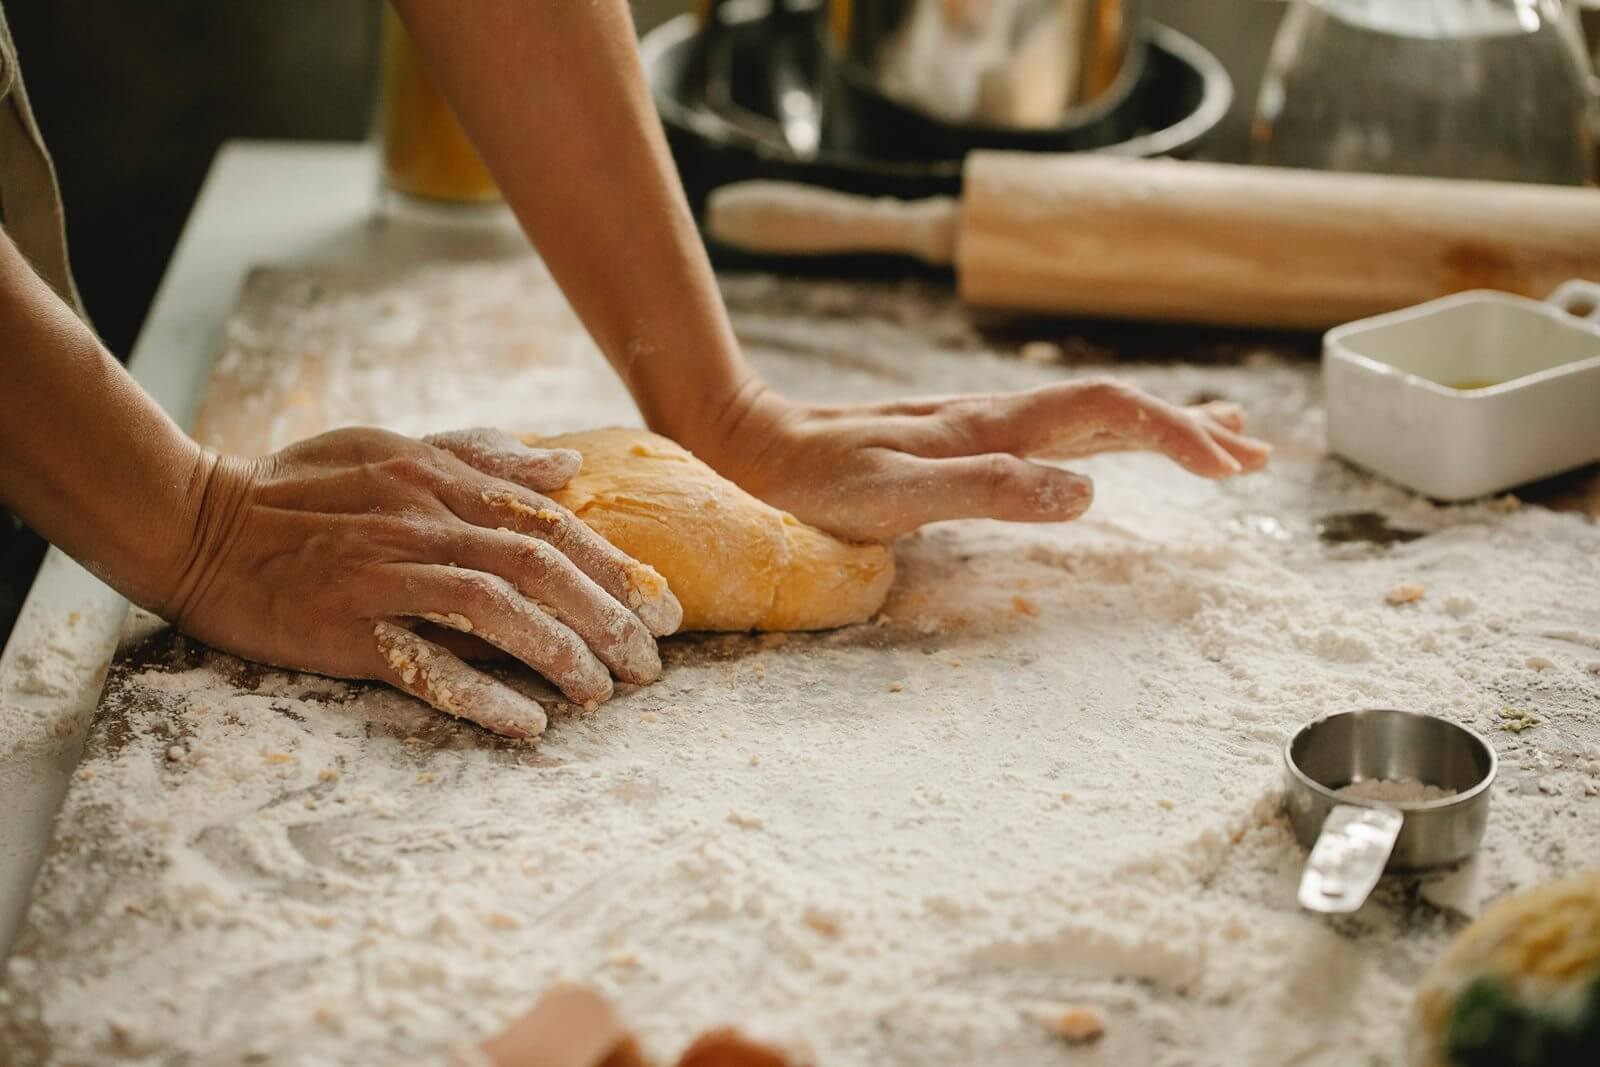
<point>30,206</point>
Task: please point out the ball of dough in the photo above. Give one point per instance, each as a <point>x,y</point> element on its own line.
<point>734,562</point>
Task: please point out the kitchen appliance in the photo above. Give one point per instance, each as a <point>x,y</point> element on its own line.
<point>727,94</point>
<point>1495,89</point>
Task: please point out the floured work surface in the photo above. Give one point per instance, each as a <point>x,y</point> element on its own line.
<point>1047,777</point>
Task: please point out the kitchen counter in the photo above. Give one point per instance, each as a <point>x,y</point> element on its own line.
<point>1046,775</point>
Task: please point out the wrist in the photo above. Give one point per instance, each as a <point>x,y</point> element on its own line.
<point>717,426</point>
<point>213,499</point>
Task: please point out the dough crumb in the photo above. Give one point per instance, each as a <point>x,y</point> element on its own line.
<point>1041,353</point>
<point>822,922</point>
<point>1076,1024</point>
<point>1517,720</point>
<point>897,687</point>
<point>1405,593</point>
<point>1505,505</point>
<point>85,775</point>
<point>175,754</point>
<point>1166,804</point>
<point>328,774</point>
<point>1025,606</point>
<point>746,822</point>
<point>499,920</point>
<point>648,716</point>
<point>278,757</point>
<point>427,778</point>
<point>755,759</point>
<point>1539,663</point>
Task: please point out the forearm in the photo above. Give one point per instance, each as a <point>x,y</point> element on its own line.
<point>86,457</point>
<point>552,94</point>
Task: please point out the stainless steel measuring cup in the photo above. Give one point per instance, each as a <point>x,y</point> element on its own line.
<point>1354,840</point>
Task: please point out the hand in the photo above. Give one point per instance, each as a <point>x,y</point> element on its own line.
<point>575,1027</point>
<point>874,471</point>
<point>323,557</point>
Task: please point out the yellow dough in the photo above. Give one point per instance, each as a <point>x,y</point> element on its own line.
<point>734,562</point>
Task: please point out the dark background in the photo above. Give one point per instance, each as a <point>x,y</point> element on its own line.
<point>133,106</point>
<point>135,98</point>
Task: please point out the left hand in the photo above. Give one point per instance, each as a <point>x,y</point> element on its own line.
<point>870,472</point>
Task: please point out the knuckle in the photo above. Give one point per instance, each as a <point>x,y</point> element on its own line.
<point>1105,387</point>
<point>534,554</point>
<point>999,476</point>
<point>417,468</point>
<point>479,590</point>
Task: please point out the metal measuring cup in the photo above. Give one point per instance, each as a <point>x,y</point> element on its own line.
<point>1354,841</point>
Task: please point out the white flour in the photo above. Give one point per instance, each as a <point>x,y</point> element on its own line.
<point>1395,791</point>
<point>1049,777</point>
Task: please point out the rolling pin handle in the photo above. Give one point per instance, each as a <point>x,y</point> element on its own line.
<point>789,219</point>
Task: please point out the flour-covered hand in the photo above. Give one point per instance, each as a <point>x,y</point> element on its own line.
<point>874,471</point>
<point>329,555</point>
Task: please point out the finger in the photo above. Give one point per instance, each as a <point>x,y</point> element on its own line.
<point>1057,421</point>
<point>994,486</point>
<point>542,574</point>
<point>500,455</point>
<point>1224,413</point>
<point>1252,453</point>
<point>1219,421</point>
<point>1069,420</point>
<point>635,584</point>
<point>442,681</point>
<point>489,607</point>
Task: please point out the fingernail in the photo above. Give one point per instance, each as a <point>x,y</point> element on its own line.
<point>1067,496</point>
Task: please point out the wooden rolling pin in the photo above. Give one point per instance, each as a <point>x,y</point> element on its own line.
<point>1192,242</point>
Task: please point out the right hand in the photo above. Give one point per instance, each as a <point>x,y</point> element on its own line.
<point>326,556</point>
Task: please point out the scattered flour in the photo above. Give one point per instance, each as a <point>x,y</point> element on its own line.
<point>1395,791</point>
<point>837,838</point>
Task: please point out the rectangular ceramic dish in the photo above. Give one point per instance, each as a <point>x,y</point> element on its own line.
<point>1470,394</point>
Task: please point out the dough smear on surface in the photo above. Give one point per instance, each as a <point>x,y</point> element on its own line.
<point>734,562</point>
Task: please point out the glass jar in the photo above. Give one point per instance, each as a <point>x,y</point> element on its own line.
<point>1497,89</point>
<point>426,155</point>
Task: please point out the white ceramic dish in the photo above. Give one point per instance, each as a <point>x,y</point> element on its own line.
<point>1470,394</point>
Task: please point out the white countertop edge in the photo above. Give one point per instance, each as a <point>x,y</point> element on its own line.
<point>260,201</point>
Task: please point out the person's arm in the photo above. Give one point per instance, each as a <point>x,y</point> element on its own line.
<point>553,95</point>
<point>86,457</point>
<point>327,555</point>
